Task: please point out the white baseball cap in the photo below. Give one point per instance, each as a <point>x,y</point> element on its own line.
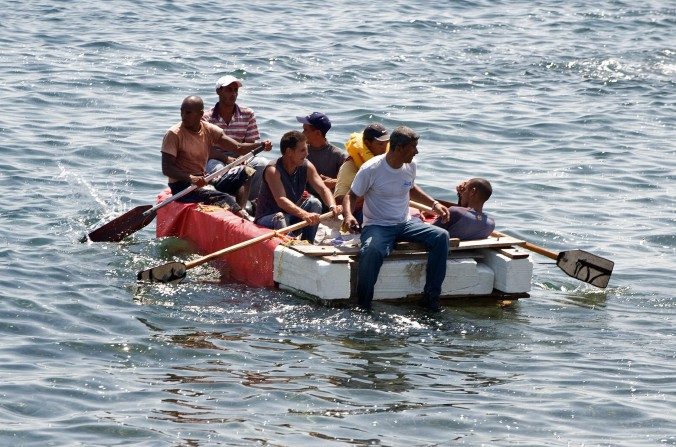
<point>224,81</point>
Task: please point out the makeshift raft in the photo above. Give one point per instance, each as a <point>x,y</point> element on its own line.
<point>493,268</point>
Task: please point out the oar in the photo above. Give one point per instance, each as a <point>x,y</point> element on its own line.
<point>578,264</point>
<point>175,271</point>
<point>132,221</point>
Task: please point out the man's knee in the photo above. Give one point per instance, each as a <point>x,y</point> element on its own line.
<point>372,251</point>
<point>312,205</point>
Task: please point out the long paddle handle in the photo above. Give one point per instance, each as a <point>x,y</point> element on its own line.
<point>243,159</point>
<point>261,238</point>
<point>532,247</point>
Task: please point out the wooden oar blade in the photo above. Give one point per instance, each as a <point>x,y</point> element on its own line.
<point>586,267</point>
<point>121,227</point>
<point>172,272</point>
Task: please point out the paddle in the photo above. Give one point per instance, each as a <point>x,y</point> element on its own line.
<point>578,264</point>
<point>175,271</point>
<point>132,221</point>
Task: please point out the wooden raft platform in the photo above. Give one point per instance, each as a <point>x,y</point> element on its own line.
<point>492,268</point>
<point>331,253</point>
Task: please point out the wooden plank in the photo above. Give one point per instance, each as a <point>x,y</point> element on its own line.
<point>338,259</point>
<point>407,248</point>
<point>491,242</point>
<point>323,250</point>
<point>513,253</point>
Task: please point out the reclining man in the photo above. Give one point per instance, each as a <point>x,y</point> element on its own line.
<point>467,220</point>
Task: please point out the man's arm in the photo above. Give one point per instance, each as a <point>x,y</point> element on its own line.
<point>319,186</point>
<point>227,143</point>
<point>171,170</point>
<point>329,182</point>
<point>274,181</point>
<point>349,220</point>
<point>418,195</point>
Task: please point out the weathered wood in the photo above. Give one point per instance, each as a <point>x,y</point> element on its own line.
<point>338,258</point>
<point>323,250</point>
<point>491,242</point>
<point>513,253</point>
<point>406,248</point>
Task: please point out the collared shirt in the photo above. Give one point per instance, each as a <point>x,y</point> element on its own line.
<point>242,126</point>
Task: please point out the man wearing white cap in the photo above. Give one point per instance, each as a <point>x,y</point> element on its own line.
<point>239,123</point>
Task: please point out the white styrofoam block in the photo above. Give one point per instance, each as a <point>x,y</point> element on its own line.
<point>311,275</point>
<point>511,275</point>
<point>401,277</point>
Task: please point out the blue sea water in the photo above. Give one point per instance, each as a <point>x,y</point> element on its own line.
<point>567,107</point>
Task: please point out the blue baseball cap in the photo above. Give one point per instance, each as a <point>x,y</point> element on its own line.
<point>317,120</point>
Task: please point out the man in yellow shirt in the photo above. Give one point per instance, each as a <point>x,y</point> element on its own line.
<point>374,140</point>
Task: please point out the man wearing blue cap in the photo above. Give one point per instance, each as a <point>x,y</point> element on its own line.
<point>326,157</point>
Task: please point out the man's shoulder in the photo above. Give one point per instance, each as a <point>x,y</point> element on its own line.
<point>211,113</point>
<point>175,128</point>
<point>335,148</point>
<point>373,162</point>
<point>211,128</point>
<point>243,110</point>
<point>348,166</point>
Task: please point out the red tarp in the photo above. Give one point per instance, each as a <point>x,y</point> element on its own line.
<point>212,228</point>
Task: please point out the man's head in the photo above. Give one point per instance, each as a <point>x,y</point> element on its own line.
<point>192,109</point>
<point>292,140</point>
<point>474,191</point>
<point>315,127</point>
<point>227,89</point>
<point>376,138</point>
<point>404,141</point>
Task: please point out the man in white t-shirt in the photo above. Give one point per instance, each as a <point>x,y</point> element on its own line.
<point>387,184</point>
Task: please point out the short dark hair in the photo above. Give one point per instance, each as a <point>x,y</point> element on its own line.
<point>482,186</point>
<point>290,140</point>
<point>401,136</point>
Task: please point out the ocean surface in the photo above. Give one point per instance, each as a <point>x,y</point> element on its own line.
<point>569,108</point>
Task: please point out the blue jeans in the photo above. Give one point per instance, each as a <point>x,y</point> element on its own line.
<point>377,241</point>
<point>281,220</point>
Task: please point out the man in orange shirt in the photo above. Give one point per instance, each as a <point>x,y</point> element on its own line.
<point>185,150</point>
